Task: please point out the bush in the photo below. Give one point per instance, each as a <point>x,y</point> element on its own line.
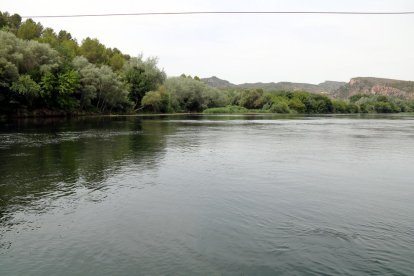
<point>252,99</point>
<point>340,106</point>
<point>384,107</point>
<point>226,110</point>
<point>280,107</point>
<point>297,105</point>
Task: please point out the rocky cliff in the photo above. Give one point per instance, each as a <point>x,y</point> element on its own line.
<point>376,86</point>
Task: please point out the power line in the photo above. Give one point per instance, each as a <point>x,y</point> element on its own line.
<point>222,12</point>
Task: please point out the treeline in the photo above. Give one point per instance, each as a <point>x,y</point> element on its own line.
<point>45,71</point>
<point>184,94</point>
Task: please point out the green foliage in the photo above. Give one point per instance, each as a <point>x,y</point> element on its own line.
<point>57,90</point>
<point>159,101</point>
<point>111,93</point>
<point>68,48</point>
<point>43,68</point>
<point>30,57</point>
<point>40,68</point>
<point>252,99</point>
<point>30,30</point>
<point>297,102</point>
<point>188,92</point>
<point>385,107</point>
<point>27,88</point>
<point>357,97</point>
<point>68,82</point>
<point>89,82</point>
<point>64,35</point>
<point>192,95</point>
<point>93,51</point>
<point>280,107</point>
<point>117,61</point>
<point>49,36</point>
<point>297,105</point>
<point>8,73</point>
<point>379,104</point>
<point>340,106</point>
<point>9,22</point>
<point>410,106</point>
<point>227,110</point>
<point>315,103</point>
<point>142,77</point>
<point>100,87</point>
<point>152,101</point>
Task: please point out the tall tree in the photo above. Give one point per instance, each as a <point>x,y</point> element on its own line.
<point>94,51</point>
<point>142,76</point>
<point>30,30</point>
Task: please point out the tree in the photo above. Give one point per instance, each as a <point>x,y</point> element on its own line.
<point>68,48</point>
<point>57,90</point>
<point>49,36</point>
<point>100,86</point>
<point>64,35</point>
<point>160,101</point>
<point>340,106</point>
<point>30,57</point>
<point>142,76</point>
<point>318,104</point>
<point>117,61</point>
<point>9,22</point>
<point>252,99</point>
<point>279,104</point>
<point>383,107</point>
<point>67,84</point>
<point>27,88</point>
<point>30,30</point>
<point>192,95</point>
<point>3,20</point>
<point>297,105</point>
<point>89,81</point>
<point>8,73</point>
<point>93,51</point>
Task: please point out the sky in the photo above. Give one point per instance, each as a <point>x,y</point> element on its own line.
<point>247,48</point>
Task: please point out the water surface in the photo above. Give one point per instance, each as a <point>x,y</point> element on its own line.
<point>207,195</point>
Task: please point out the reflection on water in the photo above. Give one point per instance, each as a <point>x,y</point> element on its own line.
<point>207,195</point>
<point>45,160</point>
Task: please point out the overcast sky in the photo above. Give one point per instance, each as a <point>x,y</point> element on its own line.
<point>248,48</point>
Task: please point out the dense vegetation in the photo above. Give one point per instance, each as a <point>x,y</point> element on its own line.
<point>43,72</point>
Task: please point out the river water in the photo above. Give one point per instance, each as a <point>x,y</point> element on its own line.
<point>208,195</point>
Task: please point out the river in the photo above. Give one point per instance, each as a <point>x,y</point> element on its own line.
<point>208,195</point>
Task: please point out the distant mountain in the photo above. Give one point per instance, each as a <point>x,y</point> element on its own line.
<point>331,86</point>
<point>216,82</point>
<point>376,86</point>
<point>327,87</point>
<point>337,89</point>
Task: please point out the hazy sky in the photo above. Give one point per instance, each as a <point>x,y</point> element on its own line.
<point>248,48</point>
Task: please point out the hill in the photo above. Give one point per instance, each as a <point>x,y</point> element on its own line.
<point>217,82</point>
<point>360,85</point>
<point>376,86</point>
<point>327,87</point>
